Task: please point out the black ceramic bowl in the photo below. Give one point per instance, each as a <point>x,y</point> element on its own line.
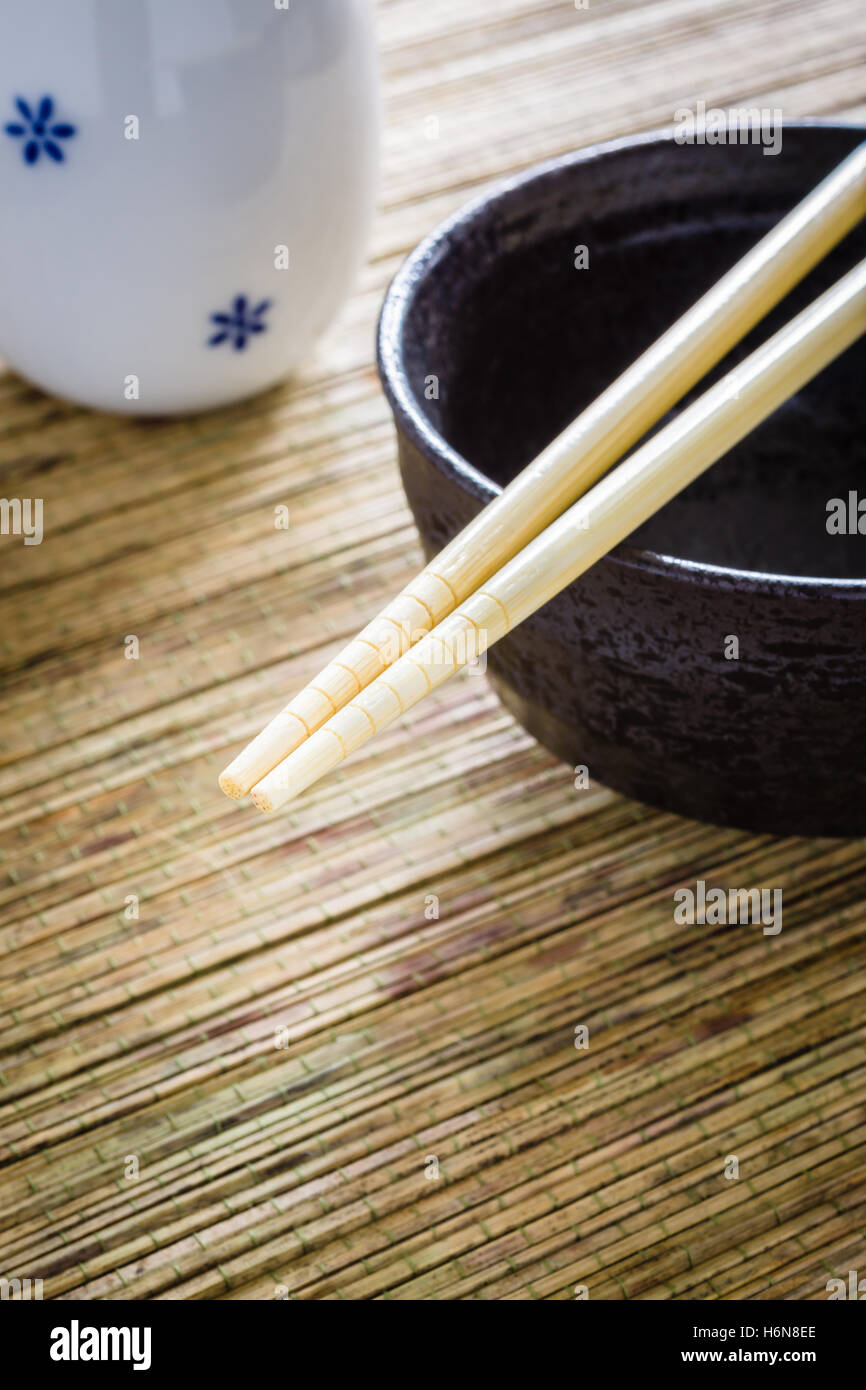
<point>629,670</point>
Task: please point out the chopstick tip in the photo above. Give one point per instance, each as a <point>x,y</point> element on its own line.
<point>262,801</point>
<point>230,786</point>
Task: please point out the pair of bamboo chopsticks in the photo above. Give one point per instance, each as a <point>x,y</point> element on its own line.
<point>525,547</point>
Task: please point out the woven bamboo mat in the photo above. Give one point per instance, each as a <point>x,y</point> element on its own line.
<point>248,1090</point>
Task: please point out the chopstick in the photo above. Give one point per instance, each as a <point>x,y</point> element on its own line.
<point>575,459</point>
<point>608,513</point>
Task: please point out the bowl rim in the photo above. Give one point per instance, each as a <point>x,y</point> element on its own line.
<point>412,421</point>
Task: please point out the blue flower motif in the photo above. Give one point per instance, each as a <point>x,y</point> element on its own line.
<point>38,131</point>
<point>240,324</point>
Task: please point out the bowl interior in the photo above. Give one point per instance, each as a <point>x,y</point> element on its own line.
<point>525,339</point>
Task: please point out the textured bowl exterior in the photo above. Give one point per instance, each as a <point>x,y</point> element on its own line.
<point>625,671</point>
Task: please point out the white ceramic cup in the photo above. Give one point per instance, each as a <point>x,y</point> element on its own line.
<point>185,191</point>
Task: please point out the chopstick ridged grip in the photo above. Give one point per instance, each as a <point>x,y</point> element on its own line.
<point>654,474</point>
<point>574,460</point>
<point>382,641</point>
<point>479,621</point>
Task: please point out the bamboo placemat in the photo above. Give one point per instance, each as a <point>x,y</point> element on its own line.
<point>248,1090</point>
